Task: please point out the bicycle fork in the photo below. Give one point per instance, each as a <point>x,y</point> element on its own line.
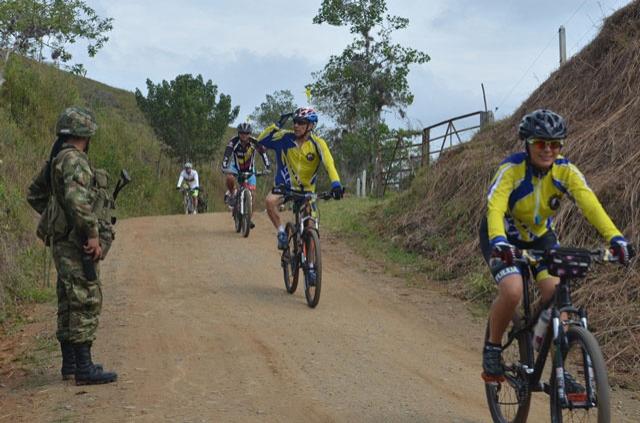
<point>586,360</point>
<point>241,200</point>
<point>558,361</point>
<point>559,338</point>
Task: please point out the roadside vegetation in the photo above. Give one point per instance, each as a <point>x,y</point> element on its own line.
<point>31,98</point>
<point>438,216</point>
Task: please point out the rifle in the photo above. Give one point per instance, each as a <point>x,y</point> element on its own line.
<point>122,182</point>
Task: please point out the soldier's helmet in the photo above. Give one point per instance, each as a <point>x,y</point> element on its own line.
<point>78,122</point>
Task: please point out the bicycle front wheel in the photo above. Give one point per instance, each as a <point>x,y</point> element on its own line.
<point>237,218</point>
<point>289,261</point>
<point>588,393</point>
<point>509,400</point>
<point>246,213</point>
<point>312,266</point>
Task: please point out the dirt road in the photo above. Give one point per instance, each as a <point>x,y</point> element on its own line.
<point>200,329</point>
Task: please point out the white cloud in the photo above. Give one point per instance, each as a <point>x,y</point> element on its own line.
<point>251,48</point>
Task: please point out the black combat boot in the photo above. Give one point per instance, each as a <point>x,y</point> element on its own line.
<point>68,360</point>
<point>88,373</point>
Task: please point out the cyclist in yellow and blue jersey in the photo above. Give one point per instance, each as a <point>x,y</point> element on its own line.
<point>298,156</point>
<point>522,202</point>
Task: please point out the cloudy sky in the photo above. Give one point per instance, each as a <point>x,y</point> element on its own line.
<point>251,48</point>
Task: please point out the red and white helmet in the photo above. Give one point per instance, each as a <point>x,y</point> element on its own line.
<point>306,113</point>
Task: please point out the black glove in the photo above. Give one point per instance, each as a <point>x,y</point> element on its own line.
<point>177,188</point>
<point>505,252</point>
<point>283,119</point>
<point>622,250</point>
<point>337,191</point>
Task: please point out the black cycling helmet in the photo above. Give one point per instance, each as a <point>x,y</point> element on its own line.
<point>244,127</point>
<point>544,124</point>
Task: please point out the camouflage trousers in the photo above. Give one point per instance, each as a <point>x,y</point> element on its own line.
<point>79,301</point>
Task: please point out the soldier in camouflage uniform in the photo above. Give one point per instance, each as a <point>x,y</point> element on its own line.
<point>70,179</point>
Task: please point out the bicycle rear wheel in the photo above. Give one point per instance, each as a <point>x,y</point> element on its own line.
<point>584,361</point>
<point>289,261</point>
<point>509,400</point>
<point>246,214</point>
<point>312,263</point>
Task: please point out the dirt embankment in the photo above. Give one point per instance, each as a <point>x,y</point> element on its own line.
<point>598,93</point>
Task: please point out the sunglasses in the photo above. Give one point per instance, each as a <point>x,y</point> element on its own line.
<point>300,121</point>
<point>246,133</point>
<point>554,145</point>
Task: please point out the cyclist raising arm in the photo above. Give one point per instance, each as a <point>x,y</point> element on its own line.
<point>523,200</point>
<point>298,157</point>
<point>190,176</point>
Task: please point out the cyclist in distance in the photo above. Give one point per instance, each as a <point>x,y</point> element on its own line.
<point>522,202</point>
<point>239,156</point>
<point>298,157</point>
<point>190,176</point>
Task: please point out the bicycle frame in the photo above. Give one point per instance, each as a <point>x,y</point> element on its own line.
<point>187,194</point>
<point>303,214</point>
<point>242,178</point>
<point>555,334</point>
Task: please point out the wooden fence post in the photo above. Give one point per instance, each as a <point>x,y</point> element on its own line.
<point>426,150</point>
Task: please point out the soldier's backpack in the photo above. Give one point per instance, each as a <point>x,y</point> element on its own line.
<point>53,224</point>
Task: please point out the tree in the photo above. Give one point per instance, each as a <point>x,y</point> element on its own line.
<point>36,27</point>
<point>369,76</point>
<point>269,111</point>
<point>187,115</point>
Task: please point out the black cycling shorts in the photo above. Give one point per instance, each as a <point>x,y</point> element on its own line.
<point>499,270</point>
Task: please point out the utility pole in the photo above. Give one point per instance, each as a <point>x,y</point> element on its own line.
<point>563,45</point>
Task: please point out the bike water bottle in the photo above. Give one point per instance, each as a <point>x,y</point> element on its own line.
<point>540,329</point>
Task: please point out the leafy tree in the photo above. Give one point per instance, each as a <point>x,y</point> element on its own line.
<point>35,27</point>
<point>370,75</point>
<point>269,111</point>
<point>187,115</point>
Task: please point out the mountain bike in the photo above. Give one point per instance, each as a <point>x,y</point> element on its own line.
<point>303,246</point>
<point>187,199</point>
<point>578,384</point>
<point>242,203</point>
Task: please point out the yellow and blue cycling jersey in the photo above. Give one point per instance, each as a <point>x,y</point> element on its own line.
<point>522,202</point>
<point>297,167</point>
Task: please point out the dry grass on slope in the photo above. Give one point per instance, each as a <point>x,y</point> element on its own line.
<point>598,92</point>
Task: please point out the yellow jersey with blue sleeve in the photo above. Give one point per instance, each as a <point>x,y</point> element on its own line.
<point>522,202</point>
<point>297,166</point>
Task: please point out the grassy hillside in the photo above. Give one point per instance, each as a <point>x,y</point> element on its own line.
<point>30,101</point>
<point>598,92</point>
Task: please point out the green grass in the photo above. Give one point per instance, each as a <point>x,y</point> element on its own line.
<point>349,219</point>
<point>31,100</point>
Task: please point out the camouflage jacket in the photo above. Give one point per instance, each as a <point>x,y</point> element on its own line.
<point>72,181</point>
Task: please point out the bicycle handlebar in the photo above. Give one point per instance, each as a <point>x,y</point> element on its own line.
<point>290,194</point>
<point>245,174</point>
<point>533,257</point>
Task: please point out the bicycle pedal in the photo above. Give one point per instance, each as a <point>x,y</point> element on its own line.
<point>492,379</point>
